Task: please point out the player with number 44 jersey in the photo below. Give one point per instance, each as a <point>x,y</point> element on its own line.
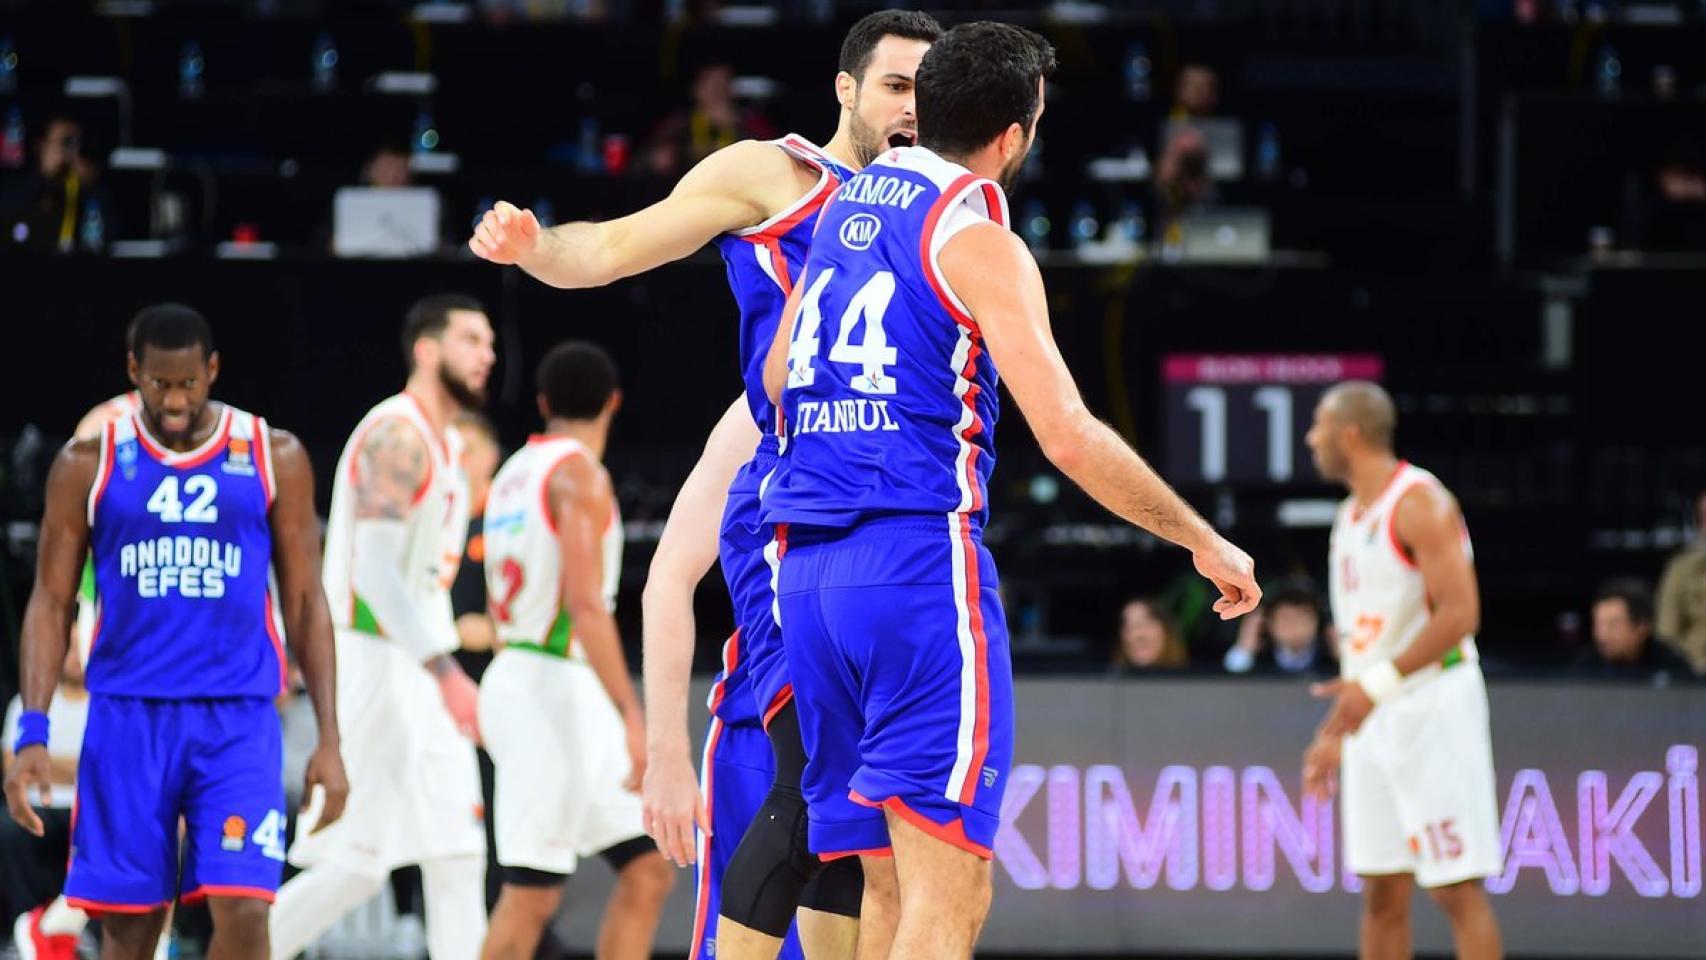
<point>913,293</point>
<point>200,519</point>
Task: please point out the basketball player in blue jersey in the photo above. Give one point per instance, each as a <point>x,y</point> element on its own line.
<point>892,623</point>
<point>183,504</point>
<point>758,204</point>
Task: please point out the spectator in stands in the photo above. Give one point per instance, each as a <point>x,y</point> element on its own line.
<point>388,166</point>
<point>32,869</point>
<point>1182,182</point>
<point>713,122</point>
<point>1682,596</point>
<point>1623,645</point>
<point>1284,636</point>
<point>1197,93</point>
<point>1148,640</point>
<point>1666,208</point>
<point>42,207</point>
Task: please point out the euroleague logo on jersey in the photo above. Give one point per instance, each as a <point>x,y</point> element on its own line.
<point>859,230</point>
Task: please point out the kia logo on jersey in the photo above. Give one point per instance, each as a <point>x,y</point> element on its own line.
<point>859,230</point>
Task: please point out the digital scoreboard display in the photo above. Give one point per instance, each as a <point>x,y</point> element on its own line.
<point>1240,419</point>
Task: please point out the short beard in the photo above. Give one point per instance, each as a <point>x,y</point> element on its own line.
<point>867,144</point>
<point>468,398</point>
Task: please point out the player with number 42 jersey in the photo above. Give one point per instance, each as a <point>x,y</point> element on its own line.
<point>200,520</point>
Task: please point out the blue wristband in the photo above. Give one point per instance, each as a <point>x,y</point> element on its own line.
<point>32,730</point>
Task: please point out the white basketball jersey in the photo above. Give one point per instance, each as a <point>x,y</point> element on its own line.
<point>1380,603</point>
<point>524,565</point>
<point>436,529</point>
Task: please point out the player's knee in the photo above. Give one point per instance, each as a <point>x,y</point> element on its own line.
<point>534,902</point>
<point>769,869</point>
<point>881,882</point>
<point>648,878</point>
<point>535,893</point>
<point>241,921</point>
<point>837,889</point>
<point>972,892</point>
<point>1457,899</point>
<point>1386,898</point>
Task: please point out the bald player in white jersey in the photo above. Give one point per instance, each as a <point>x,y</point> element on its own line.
<point>394,538</point>
<point>557,707</point>
<point>1407,737</point>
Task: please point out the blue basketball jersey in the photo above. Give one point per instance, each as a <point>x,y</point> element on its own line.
<point>762,264</point>
<point>182,550</point>
<point>890,405</point>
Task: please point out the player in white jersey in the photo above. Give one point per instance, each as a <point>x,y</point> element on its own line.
<point>1407,736</point>
<point>398,521</point>
<point>557,707</point>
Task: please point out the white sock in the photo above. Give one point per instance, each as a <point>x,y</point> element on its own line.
<point>63,918</point>
<point>455,893</point>
<point>311,902</point>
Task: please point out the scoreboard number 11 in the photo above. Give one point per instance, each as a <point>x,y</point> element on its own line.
<point>1241,418</point>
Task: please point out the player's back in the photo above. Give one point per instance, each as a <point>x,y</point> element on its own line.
<point>436,527</point>
<point>764,260</point>
<point>182,547</point>
<point>890,404</point>
<point>1380,600</point>
<point>524,564</point>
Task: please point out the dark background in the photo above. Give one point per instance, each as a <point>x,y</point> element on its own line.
<point>1442,166</point>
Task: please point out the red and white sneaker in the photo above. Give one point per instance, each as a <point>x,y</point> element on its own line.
<point>33,944</point>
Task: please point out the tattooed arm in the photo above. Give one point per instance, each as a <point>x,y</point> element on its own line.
<point>1002,289</point>
<point>392,471</point>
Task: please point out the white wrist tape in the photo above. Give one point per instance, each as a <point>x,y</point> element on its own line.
<point>1381,682</point>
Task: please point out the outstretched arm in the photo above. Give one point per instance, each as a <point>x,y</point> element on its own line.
<point>47,618</point>
<point>307,621</point>
<point>684,555</point>
<point>1000,285</point>
<point>734,188</point>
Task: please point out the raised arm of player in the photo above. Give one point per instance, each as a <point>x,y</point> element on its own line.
<point>1429,525</point>
<point>307,621</point>
<point>684,555</point>
<point>736,187</point>
<point>391,469</point>
<point>998,281</point>
<point>582,506</point>
<point>64,541</point>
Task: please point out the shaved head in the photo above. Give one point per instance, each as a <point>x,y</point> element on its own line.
<point>1354,419</point>
<point>1367,407</point>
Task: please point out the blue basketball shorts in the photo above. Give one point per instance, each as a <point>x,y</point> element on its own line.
<point>897,649</point>
<point>217,764</point>
<point>749,557</point>
<point>734,779</point>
